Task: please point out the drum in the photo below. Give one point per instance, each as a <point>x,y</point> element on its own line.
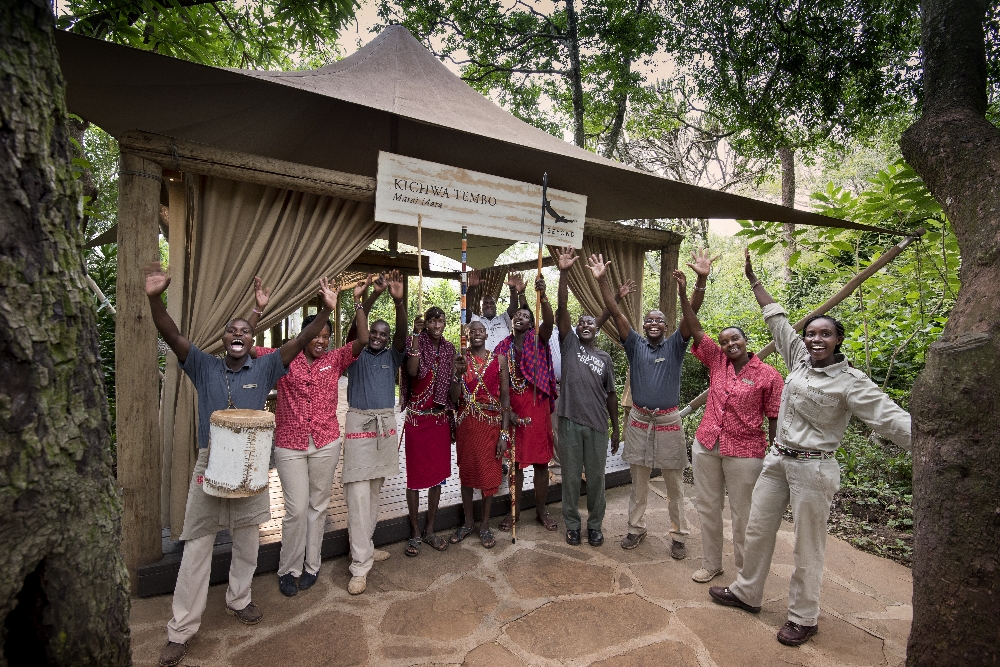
<point>239,453</point>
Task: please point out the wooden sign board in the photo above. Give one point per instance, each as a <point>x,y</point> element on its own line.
<point>449,198</point>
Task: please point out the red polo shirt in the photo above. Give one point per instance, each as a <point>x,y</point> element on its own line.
<point>307,398</point>
<point>737,404</point>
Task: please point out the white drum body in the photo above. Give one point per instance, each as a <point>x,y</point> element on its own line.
<point>239,453</point>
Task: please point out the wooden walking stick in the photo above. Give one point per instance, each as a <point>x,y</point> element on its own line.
<point>420,266</point>
<point>465,285</point>
<point>825,307</point>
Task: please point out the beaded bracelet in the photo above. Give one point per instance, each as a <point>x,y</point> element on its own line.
<point>754,286</point>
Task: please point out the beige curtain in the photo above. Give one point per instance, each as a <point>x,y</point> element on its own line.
<point>491,282</point>
<point>232,232</point>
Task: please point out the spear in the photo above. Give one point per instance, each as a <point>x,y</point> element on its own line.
<point>465,284</point>
<point>538,293</point>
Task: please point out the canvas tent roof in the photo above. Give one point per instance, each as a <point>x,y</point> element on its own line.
<point>338,117</point>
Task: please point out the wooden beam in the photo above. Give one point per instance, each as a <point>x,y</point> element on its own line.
<point>183,155</point>
<point>651,238</point>
<point>137,387</point>
<point>529,265</point>
<point>668,286</point>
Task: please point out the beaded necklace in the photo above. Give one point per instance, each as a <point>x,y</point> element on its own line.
<point>517,384</point>
<point>472,405</point>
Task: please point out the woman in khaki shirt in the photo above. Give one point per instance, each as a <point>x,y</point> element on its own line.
<point>821,393</point>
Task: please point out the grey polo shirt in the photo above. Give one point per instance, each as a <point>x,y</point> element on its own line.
<point>655,370</point>
<point>371,379</point>
<point>249,385</point>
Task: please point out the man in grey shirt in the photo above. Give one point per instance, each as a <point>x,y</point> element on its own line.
<point>654,436</point>
<point>588,398</point>
<point>235,381</point>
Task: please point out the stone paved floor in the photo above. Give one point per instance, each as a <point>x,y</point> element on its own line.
<point>542,602</point>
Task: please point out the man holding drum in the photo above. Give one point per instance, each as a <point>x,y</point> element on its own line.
<point>235,381</point>
<point>307,440</point>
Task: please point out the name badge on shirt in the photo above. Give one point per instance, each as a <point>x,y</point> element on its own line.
<point>249,386</point>
<point>659,359</point>
<point>385,366</point>
<point>325,368</point>
<point>747,381</point>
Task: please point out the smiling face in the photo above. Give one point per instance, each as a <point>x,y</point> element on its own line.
<point>237,339</point>
<point>318,346</point>
<point>733,344</point>
<point>477,336</point>
<point>586,328</point>
<point>489,307</point>
<point>378,336</point>
<point>522,320</point>
<point>654,325</point>
<point>435,327</point>
<point>821,341</point>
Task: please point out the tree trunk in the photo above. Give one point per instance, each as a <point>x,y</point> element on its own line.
<point>956,400</point>
<point>787,157</point>
<point>575,75</point>
<point>63,585</point>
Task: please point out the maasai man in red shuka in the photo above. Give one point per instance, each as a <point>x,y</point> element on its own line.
<point>483,400</point>
<point>532,397</point>
<point>423,396</point>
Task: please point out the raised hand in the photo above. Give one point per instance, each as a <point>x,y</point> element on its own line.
<point>378,282</point>
<point>748,266</point>
<point>565,258</point>
<point>418,325</point>
<point>701,261</point>
<point>361,288</point>
<point>626,288</point>
<point>516,280</point>
<point>156,279</point>
<point>682,282</point>
<point>458,365</point>
<point>474,278</point>
<point>396,284</point>
<point>261,294</point>
<point>328,291</point>
<point>598,266</point>
<point>540,284</point>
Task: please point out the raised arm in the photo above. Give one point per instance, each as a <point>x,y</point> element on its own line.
<point>378,284</point>
<point>565,258</point>
<point>157,281</point>
<point>763,298</point>
<point>516,284</point>
<point>599,268</point>
<point>690,321</point>
<point>396,291</point>
<point>624,290</point>
<point>413,353</point>
<point>701,264</point>
<point>787,343</point>
<point>360,318</point>
<point>297,344</point>
<point>545,328</point>
<point>261,295</point>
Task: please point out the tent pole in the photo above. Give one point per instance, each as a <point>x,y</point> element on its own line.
<point>834,300</point>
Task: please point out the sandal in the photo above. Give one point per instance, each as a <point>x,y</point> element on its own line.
<point>507,523</point>
<point>546,520</point>
<point>486,537</point>
<point>460,534</point>
<point>437,543</point>
<point>412,546</point>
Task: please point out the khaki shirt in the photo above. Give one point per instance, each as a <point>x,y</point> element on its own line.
<point>817,403</point>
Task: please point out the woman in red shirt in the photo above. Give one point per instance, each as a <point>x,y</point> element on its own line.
<point>729,446</point>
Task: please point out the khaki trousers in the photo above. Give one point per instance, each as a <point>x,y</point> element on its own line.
<point>810,486</point>
<point>306,482</point>
<point>191,590</point>
<point>714,475</point>
<point>362,516</point>
<point>674,480</point>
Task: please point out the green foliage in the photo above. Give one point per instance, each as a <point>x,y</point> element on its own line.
<point>252,34</point>
<point>787,74</point>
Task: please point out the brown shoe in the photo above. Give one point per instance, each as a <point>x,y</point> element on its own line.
<point>723,595</point>
<point>172,654</point>
<point>249,615</point>
<point>631,541</point>
<point>793,634</point>
<point>677,550</point>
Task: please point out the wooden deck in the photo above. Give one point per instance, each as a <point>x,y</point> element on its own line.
<point>393,523</point>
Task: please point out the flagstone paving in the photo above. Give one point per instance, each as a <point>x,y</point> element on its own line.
<point>543,602</point>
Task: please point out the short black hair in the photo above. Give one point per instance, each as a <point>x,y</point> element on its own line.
<point>833,320</point>
<point>733,326</point>
<point>378,322</point>
<point>433,312</point>
<point>241,319</point>
<point>309,320</point>
<point>531,315</point>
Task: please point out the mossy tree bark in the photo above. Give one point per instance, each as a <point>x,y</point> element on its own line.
<point>956,400</point>
<point>63,585</point>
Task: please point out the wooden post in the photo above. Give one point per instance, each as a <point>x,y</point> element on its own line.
<point>668,286</point>
<point>136,374</point>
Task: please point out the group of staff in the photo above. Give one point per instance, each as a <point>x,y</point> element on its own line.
<point>516,392</point>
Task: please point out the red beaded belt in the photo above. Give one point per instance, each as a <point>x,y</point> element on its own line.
<point>657,411</point>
